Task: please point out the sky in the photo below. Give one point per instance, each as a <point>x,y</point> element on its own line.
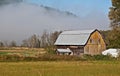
<point>79,7</point>
<point>22,20</point>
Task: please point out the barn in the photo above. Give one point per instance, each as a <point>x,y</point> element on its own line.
<point>80,42</point>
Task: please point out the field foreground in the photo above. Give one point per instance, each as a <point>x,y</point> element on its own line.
<point>62,68</point>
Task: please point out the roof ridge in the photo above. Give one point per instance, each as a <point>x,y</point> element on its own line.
<point>77,32</point>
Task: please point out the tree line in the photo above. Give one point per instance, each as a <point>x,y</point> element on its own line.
<point>35,41</point>
<point>112,37</point>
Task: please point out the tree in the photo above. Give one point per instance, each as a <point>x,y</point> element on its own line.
<point>1,44</point>
<point>13,44</point>
<point>54,36</point>
<point>44,40</point>
<point>6,43</point>
<point>48,39</point>
<point>113,36</point>
<point>34,42</point>
<point>25,43</point>
<point>114,14</point>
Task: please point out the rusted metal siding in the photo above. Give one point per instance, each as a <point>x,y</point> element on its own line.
<point>95,44</point>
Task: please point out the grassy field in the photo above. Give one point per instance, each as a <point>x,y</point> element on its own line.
<point>31,52</point>
<point>62,68</point>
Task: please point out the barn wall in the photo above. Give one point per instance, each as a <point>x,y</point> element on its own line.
<point>95,44</point>
<point>77,50</point>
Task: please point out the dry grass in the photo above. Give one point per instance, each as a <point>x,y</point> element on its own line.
<point>73,68</point>
<point>21,51</point>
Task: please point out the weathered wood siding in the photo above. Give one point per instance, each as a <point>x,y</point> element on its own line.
<point>77,50</point>
<point>95,44</point>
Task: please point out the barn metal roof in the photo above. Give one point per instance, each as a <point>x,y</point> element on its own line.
<point>74,37</point>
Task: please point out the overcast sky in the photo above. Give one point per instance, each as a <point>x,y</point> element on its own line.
<point>21,20</point>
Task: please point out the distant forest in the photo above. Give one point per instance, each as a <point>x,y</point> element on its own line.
<point>35,41</point>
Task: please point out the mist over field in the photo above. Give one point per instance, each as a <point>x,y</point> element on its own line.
<point>21,20</point>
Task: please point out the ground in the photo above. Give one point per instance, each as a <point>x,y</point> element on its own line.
<point>60,68</point>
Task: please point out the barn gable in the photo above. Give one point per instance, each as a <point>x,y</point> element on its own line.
<point>95,44</point>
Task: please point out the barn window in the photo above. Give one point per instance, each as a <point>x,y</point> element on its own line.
<point>98,41</point>
<point>91,40</point>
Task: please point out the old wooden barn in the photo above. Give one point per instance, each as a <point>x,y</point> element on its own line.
<point>80,42</point>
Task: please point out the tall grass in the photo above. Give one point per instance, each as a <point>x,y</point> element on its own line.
<point>63,68</point>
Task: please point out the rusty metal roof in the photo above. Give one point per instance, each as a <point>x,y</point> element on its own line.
<point>74,37</point>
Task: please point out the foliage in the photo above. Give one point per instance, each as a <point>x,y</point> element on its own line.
<point>33,41</point>
<point>45,40</point>
<point>50,49</point>
<point>99,57</point>
<point>48,39</point>
<point>40,54</point>
<point>3,53</point>
<point>112,37</point>
<point>46,57</point>
<point>13,44</point>
<point>4,57</point>
<point>1,44</point>
<point>49,57</point>
<point>114,14</point>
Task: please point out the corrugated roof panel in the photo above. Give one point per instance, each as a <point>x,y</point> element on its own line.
<point>73,37</point>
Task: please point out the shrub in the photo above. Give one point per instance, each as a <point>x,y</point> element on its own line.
<point>99,57</point>
<point>49,57</point>
<point>53,57</point>
<point>9,58</point>
<point>50,50</point>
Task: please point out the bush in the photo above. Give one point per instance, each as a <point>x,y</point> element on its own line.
<point>98,57</point>
<point>46,57</point>
<point>10,58</point>
<point>50,50</point>
<point>53,57</point>
<point>49,57</point>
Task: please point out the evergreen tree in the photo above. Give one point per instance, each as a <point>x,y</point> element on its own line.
<point>114,14</point>
<point>113,36</point>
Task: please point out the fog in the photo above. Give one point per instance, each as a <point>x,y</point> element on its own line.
<point>21,20</point>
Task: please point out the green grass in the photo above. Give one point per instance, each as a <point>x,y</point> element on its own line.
<point>27,52</point>
<point>3,53</point>
<point>62,68</point>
